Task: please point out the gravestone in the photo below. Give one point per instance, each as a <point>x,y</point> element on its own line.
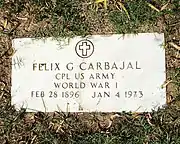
<point>96,73</point>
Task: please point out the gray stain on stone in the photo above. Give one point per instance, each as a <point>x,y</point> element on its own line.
<point>17,62</point>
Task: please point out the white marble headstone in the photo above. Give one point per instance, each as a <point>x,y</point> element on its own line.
<point>97,73</point>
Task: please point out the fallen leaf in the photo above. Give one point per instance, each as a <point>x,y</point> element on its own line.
<point>114,116</point>
<point>5,23</point>
<point>122,6</point>
<point>166,83</point>
<point>164,6</point>
<point>105,124</point>
<point>100,1</point>
<point>153,7</point>
<point>175,46</point>
<point>29,118</point>
<point>2,86</point>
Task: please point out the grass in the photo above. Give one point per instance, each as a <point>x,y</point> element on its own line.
<point>140,14</point>
<point>1,3</point>
<point>67,18</point>
<point>64,16</point>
